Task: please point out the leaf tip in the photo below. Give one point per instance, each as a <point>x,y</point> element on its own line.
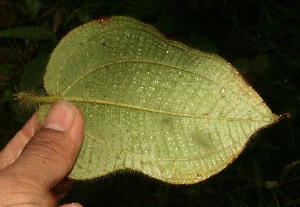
<point>285,115</point>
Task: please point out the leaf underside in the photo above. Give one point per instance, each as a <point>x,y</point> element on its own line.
<point>150,104</point>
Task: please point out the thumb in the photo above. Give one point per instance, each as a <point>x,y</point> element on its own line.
<point>52,151</point>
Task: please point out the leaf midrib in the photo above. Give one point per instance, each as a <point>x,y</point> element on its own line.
<point>134,107</point>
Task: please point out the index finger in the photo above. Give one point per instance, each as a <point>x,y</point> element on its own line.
<point>15,146</point>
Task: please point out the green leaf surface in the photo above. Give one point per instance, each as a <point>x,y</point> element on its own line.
<point>29,32</point>
<point>32,77</point>
<point>150,104</point>
<point>34,6</point>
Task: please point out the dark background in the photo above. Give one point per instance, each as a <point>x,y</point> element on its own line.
<point>261,38</point>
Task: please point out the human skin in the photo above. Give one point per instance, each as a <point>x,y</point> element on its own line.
<point>34,164</point>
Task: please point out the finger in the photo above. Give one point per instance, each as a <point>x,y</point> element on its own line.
<point>15,146</point>
<point>62,188</point>
<point>52,151</point>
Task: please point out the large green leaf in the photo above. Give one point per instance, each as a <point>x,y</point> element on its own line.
<point>29,32</point>
<point>150,104</point>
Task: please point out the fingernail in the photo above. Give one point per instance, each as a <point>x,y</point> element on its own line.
<point>60,117</point>
<point>76,204</point>
<point>71,204</point>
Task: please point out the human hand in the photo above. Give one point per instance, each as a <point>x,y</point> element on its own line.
<point>35,161</point>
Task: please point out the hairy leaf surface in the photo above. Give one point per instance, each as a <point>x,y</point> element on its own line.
<point>150,104</point>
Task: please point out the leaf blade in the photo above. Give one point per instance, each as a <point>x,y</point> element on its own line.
<point>152,105</point>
